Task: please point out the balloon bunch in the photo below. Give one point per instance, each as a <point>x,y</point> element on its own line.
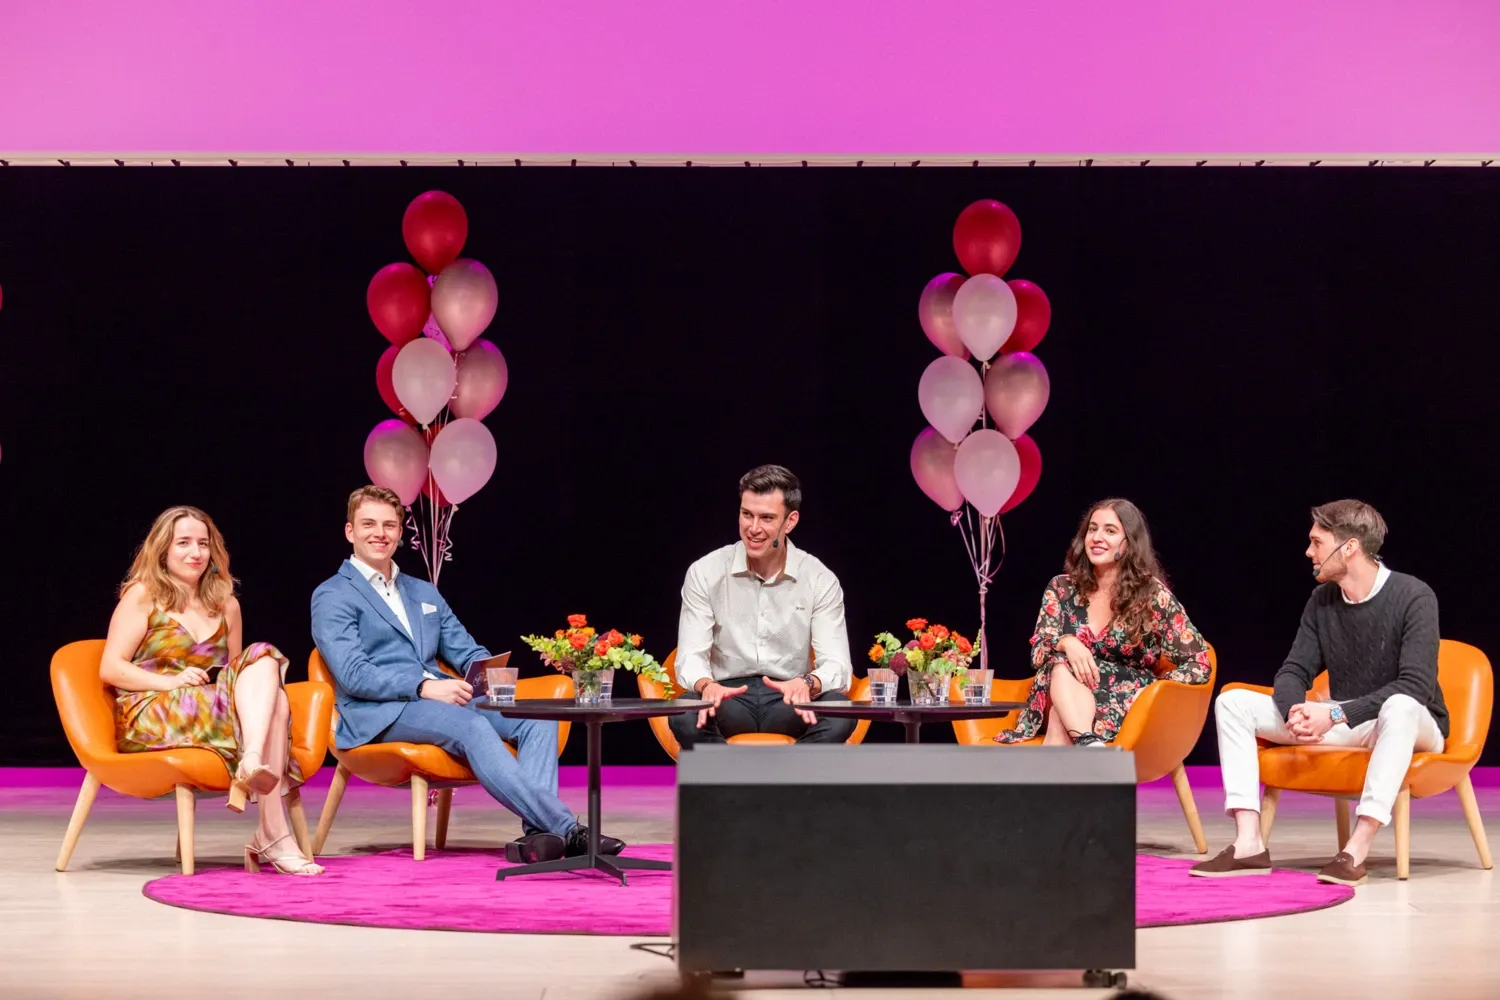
<point>438,374</point>
<point>984,470</point>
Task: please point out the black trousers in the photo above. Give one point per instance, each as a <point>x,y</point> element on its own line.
<point>760,710</point>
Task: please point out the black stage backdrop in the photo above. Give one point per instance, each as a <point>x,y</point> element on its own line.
<point>1228,348</point>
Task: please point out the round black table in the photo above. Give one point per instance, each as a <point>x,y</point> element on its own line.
<point>593,717</point>
<point>910,716</point>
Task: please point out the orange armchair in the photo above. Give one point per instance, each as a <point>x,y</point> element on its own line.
<point>859,690</point>
<point>421,766</point>
<point>1161,729</point>
<point>86,706</point>
<point>1468,687</point>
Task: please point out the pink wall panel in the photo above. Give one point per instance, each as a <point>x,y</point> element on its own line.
<point>730,77</point>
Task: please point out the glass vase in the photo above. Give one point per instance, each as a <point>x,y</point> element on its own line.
<point>593,687</point>
<point>928,688</point>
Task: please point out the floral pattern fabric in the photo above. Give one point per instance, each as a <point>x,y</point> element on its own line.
<point>194,715</point>
<point>1126,664</point>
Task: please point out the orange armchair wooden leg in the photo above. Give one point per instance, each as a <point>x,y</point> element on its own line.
<point>445,806</point>
<point>1189,808</point>
<point>1268,813</point>
<point>1403,834</point>
<point>330,808</point>
<point>1341,818</point>
<point>418,818</point>
<point>298,817</point>
<point>186,801</point>
<point>1465,791</point>
<point>90,789</point>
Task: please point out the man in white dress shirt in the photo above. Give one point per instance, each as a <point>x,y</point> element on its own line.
<point>762,627</point>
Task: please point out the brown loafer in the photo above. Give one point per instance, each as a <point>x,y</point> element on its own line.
<point>1343,871</point>
<point>1226,865</point>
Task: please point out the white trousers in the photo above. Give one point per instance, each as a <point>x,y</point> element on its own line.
<point>1404,726</point>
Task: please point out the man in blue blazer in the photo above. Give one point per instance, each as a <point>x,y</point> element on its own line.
<point>381,632</point>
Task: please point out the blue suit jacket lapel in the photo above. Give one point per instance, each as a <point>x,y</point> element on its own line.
<point>414,615</point>
<point>362,587</point>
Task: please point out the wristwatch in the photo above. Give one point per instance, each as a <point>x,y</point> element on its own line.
<point>1336,715</point>
<point>420,686</point>
<point>813,685</point>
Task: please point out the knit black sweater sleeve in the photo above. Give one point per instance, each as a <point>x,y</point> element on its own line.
<point>1303,663</point>
<point>1416,673</point>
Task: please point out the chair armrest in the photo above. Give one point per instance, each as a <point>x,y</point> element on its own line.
<point>1257,688</point>
<point>977,732</point>
<point>1163,726</point>
<point>312,716</point>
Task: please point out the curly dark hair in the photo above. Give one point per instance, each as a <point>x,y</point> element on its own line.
<point>1140,573</point>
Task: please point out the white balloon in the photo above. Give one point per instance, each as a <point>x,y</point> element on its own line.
<point>423,376</point>
<point>984,313</point>
<point>987,469</point>
<point>951,396</point>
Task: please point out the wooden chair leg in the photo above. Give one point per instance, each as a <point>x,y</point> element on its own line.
<point>1268,813</point>
<point>1476,823</point>
<point>1403,833</point>
<point>330,808</point>
<point>186,801</point>
<point>86,794</point>
<point>1341,818</point>
<point>1189,808</point>
<point>445,805</point>
<point>418,817</point>
<point>298,817</point>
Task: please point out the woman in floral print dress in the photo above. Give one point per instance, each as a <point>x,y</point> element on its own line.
<point>1104,626</point>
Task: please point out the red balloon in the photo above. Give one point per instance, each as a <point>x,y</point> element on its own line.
<point>387,387</point>
<point>430,488</point>
<point>399,300</point>
<point>1033,316</point>
<point>1031,471</point>
<point>987,238</point>
<point>435,228</point>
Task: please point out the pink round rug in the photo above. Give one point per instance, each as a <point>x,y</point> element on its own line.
<point>456,891</point>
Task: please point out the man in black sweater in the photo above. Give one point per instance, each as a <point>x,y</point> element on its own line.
<point>1376,633</point>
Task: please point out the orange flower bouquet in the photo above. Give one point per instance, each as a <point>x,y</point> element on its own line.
<point>584,652</point>
<point>932,655</point>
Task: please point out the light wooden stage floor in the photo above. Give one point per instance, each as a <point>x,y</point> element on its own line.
<point>90,932</point>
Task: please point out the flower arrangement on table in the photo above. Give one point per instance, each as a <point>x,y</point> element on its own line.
<point>582,651</point>
<point>931,656</point>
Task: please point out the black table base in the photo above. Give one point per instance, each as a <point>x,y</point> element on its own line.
<point>613,866</point>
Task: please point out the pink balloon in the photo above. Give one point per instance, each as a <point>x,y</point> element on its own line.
<point>464,300</point>
<point>951,396</point>
<point>463,458</point>
<point>1016,391</point>
<point>1031,471</point>
<point>932,468</point>
<point>935,313</point>
<point>984,314</point>
<point>396,458</point>
<point>987,469</point>
<point>482,377</point>
<point>423,377</point>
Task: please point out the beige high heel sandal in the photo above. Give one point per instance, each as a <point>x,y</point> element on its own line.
<point>284,864</point>
<point>259,779</point>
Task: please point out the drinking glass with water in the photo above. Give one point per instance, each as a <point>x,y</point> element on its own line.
<point>502,684</point>
<point>882,686</point>
<point>976,687</point>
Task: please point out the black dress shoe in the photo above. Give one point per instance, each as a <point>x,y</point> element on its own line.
<point>534,847</point>
<point>578,843</point>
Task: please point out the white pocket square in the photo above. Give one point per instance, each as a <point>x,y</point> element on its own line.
<point>428,609</point>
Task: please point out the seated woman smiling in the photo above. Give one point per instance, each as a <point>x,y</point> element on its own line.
<point>173,689</point>
<point>1104,625</point>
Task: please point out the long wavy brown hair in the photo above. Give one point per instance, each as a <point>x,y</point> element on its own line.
<point>1140,573</point>
<point>215,586</point>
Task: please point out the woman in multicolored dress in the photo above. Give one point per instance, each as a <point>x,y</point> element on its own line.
<point>174,689</point>
<point>1104,626</point>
